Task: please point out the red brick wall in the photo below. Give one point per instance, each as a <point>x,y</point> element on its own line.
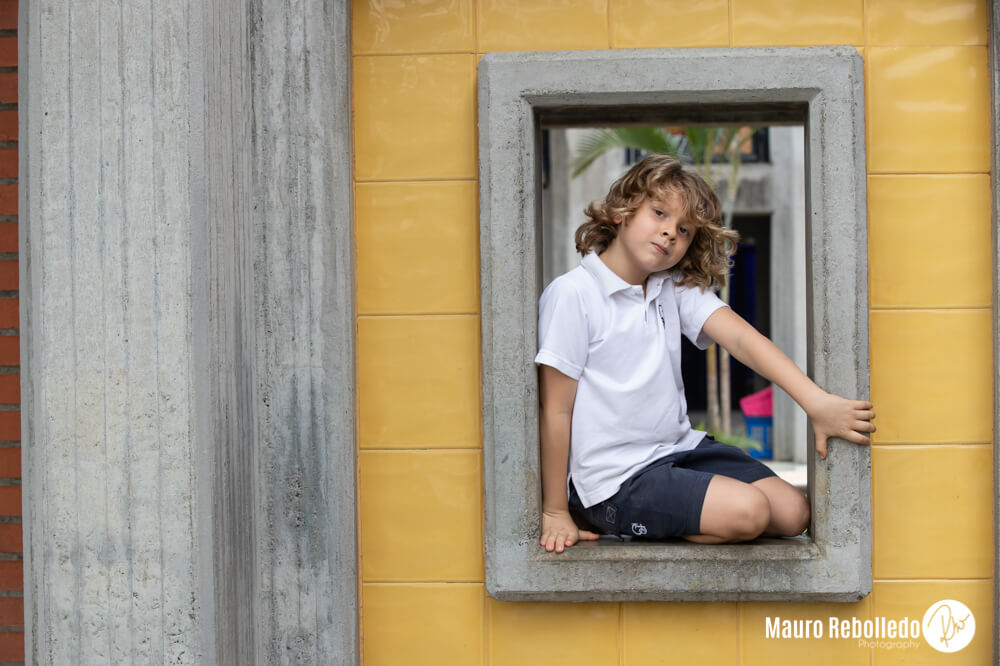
<point>11,567</point>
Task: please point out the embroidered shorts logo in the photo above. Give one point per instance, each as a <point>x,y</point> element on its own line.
<point>948,625</point>
<point>638,529</point>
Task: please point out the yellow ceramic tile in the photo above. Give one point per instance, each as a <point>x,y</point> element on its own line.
<point>422,625</point>
<point>932,510</point>
<point>929,241</point>
<point>912,600</point>
<point>542,25</point>
<point>697,633</point>
<point>530,634</point>
<point>760,649</point>
<point>414,117</point>
<point>418,247</point>
<point>669,23</point>
<point>421,516</point>
<point>931,376</point>
<point>793,22</point>
<point>926,22</point>
<point>418,382</point>
<point>424,26</point>
<point>928,108</point>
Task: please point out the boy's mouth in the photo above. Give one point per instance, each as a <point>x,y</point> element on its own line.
<point>659,248</point>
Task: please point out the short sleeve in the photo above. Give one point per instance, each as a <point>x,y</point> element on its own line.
<point>694,307</point>
<point>563,337</point>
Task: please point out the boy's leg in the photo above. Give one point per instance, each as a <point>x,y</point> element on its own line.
<point>732,511</point>
<point>789,507</point>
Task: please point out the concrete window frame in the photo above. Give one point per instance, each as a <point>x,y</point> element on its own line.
<point>821,87</point>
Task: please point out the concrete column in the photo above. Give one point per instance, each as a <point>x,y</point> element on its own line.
<point>788,282</point>
<point>187,333</point>
<point>303,321</point>
<point>116,569</point>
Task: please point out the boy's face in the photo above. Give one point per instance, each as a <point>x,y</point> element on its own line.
<point>655,238</point>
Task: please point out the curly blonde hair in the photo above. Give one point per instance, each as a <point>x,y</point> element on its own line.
<point>707,261</point>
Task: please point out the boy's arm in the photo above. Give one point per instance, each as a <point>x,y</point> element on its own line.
<point>831,415</point>
<point>557,393</point>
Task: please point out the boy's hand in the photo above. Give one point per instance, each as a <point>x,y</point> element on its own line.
<point>560,532</point>
<point>833,416</point>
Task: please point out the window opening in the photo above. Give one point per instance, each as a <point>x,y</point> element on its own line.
<point>759,207</point>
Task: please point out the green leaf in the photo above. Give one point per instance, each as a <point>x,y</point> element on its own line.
<point>595,143</point>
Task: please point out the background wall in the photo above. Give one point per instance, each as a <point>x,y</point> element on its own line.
<point>927,89</point>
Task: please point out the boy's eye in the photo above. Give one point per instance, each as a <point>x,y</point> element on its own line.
<point>658,212</point>
<point>683,230</point>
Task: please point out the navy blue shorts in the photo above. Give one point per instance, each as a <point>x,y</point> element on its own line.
<point>663,500</point>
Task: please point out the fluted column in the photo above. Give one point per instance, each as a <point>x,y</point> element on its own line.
<point>187,331</point>
<point>115,569</point>
<point>303,399</point>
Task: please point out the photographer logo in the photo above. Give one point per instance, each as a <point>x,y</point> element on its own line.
<point>948,625</point>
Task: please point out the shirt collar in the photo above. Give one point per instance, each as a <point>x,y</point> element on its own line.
<point>610,281</point>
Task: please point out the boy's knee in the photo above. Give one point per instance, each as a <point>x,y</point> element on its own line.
<point>793,518</point>
<point>753,516</point>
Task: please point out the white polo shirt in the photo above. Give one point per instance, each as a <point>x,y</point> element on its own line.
<point>624,349</point>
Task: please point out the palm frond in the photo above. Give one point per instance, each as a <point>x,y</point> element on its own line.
<point>597,142</point>
<point>699,140</point>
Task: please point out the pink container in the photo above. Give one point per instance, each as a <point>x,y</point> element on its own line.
<point>760,403</point>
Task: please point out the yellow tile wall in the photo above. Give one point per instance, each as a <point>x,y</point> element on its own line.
<point>526,634</point>
<point>900,598</point>
<point>758,649</point>
<point>420,479</point>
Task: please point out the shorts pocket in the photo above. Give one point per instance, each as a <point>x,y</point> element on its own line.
<point>643,523</point>
<point>648,513</point>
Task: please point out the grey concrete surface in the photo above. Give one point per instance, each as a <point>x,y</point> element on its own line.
<point>303,322</point>
<point>187,326</point>
<point>221,203</point>
<point>788,282</point>
<point>116,571</point>
<point>822,87</point>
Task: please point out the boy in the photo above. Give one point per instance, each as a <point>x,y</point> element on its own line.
<point>612,399</point>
